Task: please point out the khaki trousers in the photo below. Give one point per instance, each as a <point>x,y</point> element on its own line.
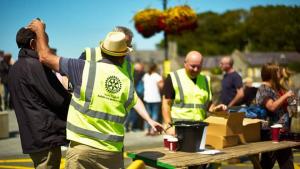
<point>80,156</point>
<point>48,159</point>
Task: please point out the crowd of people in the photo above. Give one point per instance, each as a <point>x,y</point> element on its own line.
<point>105,92</point>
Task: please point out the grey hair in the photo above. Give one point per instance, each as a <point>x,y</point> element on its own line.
<point>123,29</point>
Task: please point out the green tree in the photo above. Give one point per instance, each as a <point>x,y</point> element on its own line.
<point>269,28</point>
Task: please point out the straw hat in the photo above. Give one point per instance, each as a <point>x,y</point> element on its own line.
<point>115,44</point>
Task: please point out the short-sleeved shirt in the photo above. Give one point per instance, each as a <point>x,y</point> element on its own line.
<point>73,68</point>
<point>151,90</point>
<point>265,93</point>
<point>230,83</point>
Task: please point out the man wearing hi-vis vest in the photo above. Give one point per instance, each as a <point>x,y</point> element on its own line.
<point>94,54</point>
<point>187,93</point>
<point>103,94</point>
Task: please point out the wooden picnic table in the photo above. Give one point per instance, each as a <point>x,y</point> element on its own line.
<point>162,158</point>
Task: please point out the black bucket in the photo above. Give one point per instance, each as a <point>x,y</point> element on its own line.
<point>189,134</point>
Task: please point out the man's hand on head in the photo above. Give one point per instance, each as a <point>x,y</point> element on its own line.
<point>37,26</point>
<point>43,48</point>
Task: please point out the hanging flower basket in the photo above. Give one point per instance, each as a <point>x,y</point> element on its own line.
<point>149,21</point>
<point>180,18</point>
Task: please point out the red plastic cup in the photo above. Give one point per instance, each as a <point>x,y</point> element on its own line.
<point>275,132</point>
<point>173,143</point>
<point>166,142</point>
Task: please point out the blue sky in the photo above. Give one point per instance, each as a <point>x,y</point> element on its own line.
<point>73,25</point>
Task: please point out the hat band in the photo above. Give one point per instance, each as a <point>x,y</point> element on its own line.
<point>113,53</point>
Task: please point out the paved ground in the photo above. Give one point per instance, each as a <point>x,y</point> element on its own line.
<point>11,156</point>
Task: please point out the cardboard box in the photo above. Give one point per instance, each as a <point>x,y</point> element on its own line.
<point>225,124</point>
<point>251,129</point>
<point>220,142</point>
<point>224,129</point>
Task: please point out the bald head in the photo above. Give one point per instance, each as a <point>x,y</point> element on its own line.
<point>193,56</point>
<point>193,63</point>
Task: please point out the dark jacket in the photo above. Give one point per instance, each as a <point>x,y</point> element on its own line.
<point>40,101</point>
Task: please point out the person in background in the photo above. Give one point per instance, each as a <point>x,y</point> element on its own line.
<point>153,83</point>
<point>133,121</point>
<point>289,104</point>
<point>1,85</point>
<point>285,78</point>
<point>187,93</point>
<point>103,94</point>
<point>1,55</point>
<point>232,85</point>
<point>139,72</point>
<point>5,65</point>
<point>63,79</point>
<point>40,102</point>
<point>268,97</point>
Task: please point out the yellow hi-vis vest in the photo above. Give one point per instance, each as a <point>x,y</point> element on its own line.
<point>191,100</point>
<point>93,54</point>
<point>98,110</point>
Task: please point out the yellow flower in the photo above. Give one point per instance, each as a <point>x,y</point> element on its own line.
<point>148,21</point>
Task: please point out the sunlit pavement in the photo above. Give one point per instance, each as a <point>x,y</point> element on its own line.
<point>11,156</point>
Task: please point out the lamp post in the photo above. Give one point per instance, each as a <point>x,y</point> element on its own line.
<point>166,63</point>
<point>165,34</point>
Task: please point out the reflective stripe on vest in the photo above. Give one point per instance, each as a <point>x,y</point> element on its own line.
<point>131,89</point>
<point>93,54</point>
<point>90,83</point>
<point>94,134</point>
<point>90,109</point>
<point>185,106</point>
<point>97,114</point>
<point>182,104</point>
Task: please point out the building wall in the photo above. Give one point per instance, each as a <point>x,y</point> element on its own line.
<point>240,65</point>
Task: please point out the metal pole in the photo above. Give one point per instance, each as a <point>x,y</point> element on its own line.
<point>165,34</point>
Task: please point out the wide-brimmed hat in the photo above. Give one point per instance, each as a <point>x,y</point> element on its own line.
<point>114,44</point>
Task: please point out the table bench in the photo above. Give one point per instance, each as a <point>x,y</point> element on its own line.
<point>161,158</point>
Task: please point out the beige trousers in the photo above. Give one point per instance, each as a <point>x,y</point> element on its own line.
<point>48,159</point>
<point>80,156</point>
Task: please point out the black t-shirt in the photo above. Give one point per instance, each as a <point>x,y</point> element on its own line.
<point>168,89</point>
<point>230,83</point>
<point>249,95</point>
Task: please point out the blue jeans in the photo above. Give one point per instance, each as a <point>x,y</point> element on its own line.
<point>153,110</point>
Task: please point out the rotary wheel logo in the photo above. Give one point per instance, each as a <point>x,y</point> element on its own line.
<point>113,84</point>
